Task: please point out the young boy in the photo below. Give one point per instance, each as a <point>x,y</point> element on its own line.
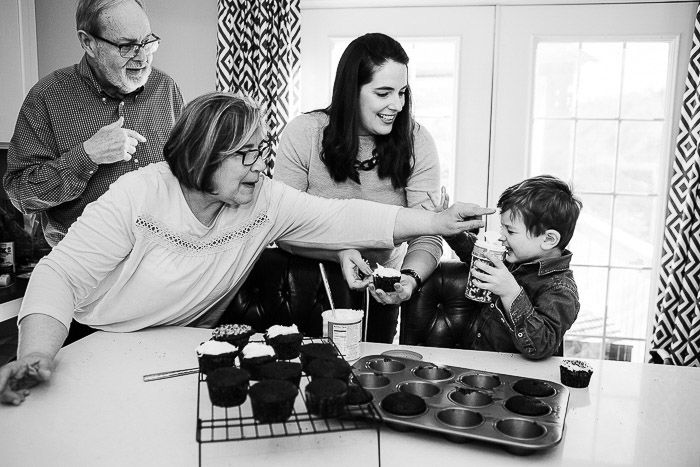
<point>534,296</point>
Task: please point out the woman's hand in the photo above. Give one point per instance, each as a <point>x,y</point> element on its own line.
<point>403,290</point>
<point>351,263</point>
<point>460,217</point>
<point>435,204</point>
<point>16,378</point>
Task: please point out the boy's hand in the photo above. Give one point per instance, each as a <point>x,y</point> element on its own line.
<point>498,280</point>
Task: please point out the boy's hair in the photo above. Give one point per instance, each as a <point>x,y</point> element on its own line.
<point>543,202</point>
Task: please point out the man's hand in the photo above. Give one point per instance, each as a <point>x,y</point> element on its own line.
<point>17,377</point>
<point>112,143</point>
<point>497,279</point>
<point>351,262</point>
<point>460,217</point>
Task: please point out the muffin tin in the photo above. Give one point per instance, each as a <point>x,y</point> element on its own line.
<point>521,414</point>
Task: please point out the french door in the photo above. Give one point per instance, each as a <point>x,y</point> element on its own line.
<point>587,92</point>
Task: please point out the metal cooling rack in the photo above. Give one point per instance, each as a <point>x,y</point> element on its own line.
<point>219,424</point>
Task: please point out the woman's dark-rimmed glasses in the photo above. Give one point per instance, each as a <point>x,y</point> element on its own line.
<point>251,156</point>
<point>149,45</point>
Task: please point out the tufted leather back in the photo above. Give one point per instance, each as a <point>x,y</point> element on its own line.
<point>285,289</point>
<point>438,315</point>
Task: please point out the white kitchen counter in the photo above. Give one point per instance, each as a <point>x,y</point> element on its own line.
<point>98,411</point>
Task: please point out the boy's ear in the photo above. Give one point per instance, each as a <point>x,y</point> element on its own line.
<point>551,239</point>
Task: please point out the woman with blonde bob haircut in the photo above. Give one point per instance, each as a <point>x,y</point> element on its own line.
<point>171,243</point>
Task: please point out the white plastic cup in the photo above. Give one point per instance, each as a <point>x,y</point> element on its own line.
<point>344,327</point>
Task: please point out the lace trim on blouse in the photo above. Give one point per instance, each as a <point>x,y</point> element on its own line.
<point>193,245</point>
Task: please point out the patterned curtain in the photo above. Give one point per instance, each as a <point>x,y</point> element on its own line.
<point>677,324</point>
<point>258,54</point>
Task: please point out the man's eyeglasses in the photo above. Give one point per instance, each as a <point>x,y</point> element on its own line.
<point>251,156</point>
<point>149,45</point>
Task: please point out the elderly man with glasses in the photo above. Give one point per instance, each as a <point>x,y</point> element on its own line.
<point>82,127</point>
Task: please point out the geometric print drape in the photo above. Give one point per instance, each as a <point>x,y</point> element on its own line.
<point>677,322</point>
<point>258,54</point>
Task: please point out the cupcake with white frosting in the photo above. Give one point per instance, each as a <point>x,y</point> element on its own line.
<point>385,278</point>
<point>254,355</point>
<point>214,354</point>
<point>286,340</point>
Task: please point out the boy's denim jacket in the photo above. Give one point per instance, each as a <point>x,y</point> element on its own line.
<point>544,310</point>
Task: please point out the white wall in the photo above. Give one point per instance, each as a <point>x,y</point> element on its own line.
<point>187,27</point>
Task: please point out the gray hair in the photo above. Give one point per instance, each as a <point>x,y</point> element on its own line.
<point>87,13</point>
<point>212,128</point>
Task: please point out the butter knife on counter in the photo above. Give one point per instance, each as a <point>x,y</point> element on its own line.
<point>169,374</point>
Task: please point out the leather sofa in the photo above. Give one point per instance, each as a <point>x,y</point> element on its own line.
<point>286,289</point>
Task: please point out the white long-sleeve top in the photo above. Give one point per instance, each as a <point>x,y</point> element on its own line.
<point>138,257</point>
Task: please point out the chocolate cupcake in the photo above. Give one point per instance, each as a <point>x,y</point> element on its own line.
<point>286,340</point>
<point>285,371</point>
<point>272,400</point>
<point>385,278</point>
<point>575,373</point>
<point>404,403</point>
<point>254,355</point>
<point>534,388</point>
<point>310,352</point>
<point>329,368</point>
<point>214,354</point>
<point>236,334</point>
<point>357,395</point>
<point>228,386</point>
<point>325,397</point>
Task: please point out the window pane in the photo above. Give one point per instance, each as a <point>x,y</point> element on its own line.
<point>599,81</point>
<point>626,350</point>
<point>644,85</point>
<point>583,347</point>
<point>590,244</point>
<point>633,231</point>
<point>432,77</point>
<point>591,284</point>
<point>552,148</point>
<point>641,159</point>
<point>555,79</point>
<point>627,295</point>
<point>594,165</point>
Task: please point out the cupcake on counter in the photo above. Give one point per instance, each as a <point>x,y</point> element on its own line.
<point>228,386</point>
<point>325,397</point>
<point>236,334</point>
<point>385,278</point>
<point>215,354</point>
<point>286,340</point>
<point>272,401</point>
<point>357,395</point>
<point>329,368</point>
<point>575,373</point>
<point>285,371</point>
<point>310,352</point>
<point>255,355</point>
